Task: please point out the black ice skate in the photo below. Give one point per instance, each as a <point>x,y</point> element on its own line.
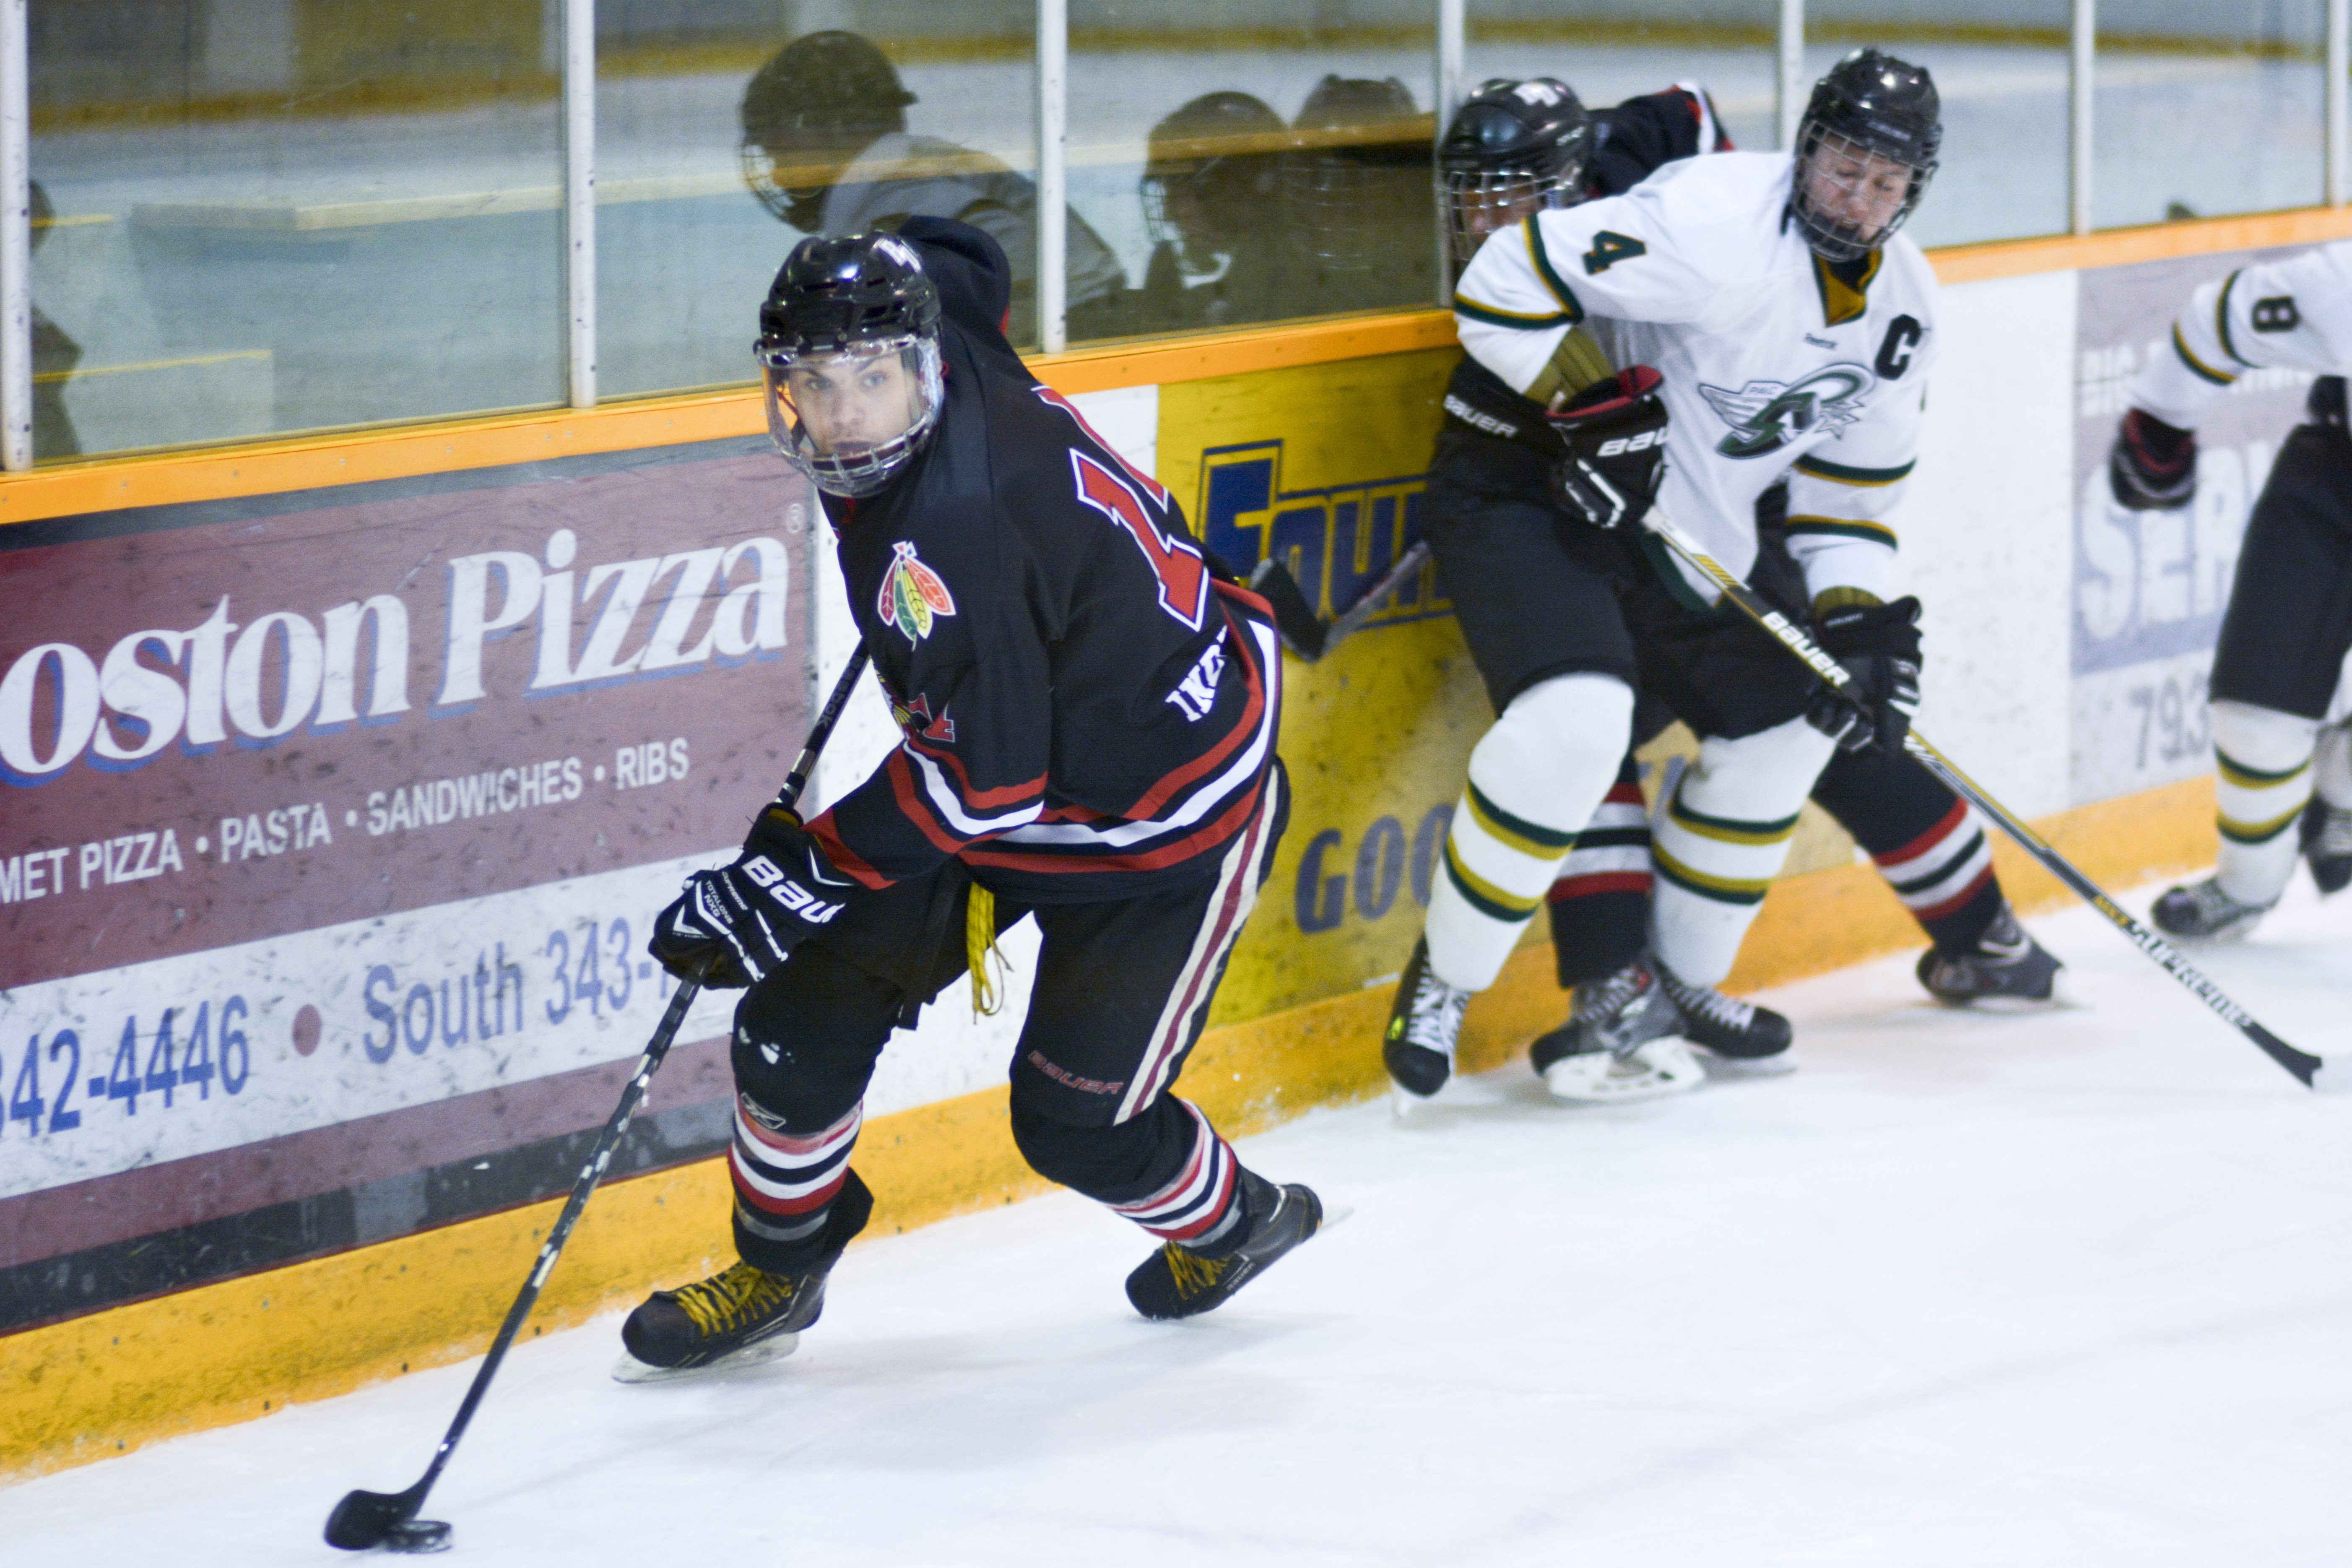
<point>1177,1282</point>
<point>2006,964</point>
<point>1739,1035</point>
<point>739,1317</point>
<point>1424,1026</point>
<point>2327,845</point>
<point>1621,1042</point>
<point>2202,911</point>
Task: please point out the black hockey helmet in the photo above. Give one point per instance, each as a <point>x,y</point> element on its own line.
<point>1514,147</point>
<point>818,99</point>
<point>1870,111</point>
<point>849,352</point>
<point>1219,157</point>
<point>1360,166</point>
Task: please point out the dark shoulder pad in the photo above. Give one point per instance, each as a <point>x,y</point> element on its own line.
<point>1644,133</point>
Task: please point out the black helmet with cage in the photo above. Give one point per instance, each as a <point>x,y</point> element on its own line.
<point>1866,147</point>
<point>1514,147</point>
<point>818,101</point>
<point>1356,177</point>
<point>849,352</point>
<point>1214,172</point>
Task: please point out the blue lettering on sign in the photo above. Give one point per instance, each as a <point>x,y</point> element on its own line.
<point>1336,542</point>
<point>1320,897</point>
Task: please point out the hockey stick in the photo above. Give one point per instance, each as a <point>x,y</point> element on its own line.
<point>1308,634</point>
<point>2310,1071</point>
<point>365,1520</point>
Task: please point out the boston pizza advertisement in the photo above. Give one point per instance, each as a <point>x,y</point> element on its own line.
<point>330,826</point>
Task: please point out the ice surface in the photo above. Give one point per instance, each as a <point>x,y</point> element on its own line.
<point>2063,1289</point>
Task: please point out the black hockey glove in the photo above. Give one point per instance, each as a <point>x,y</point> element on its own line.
<point>1879,646</point>
<point>1615,433</point>
<point>2153,467</point>
<point>735,926</point>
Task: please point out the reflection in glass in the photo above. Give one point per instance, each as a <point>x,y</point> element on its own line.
<point>279,214</point>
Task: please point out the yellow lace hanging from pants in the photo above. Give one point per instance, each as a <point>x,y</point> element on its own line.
<point>982,956</point>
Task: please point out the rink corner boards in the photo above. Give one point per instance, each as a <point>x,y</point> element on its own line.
<point>109,1381</point>
<point>92,1387</point>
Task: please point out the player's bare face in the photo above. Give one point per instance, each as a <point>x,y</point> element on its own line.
<point>851,403</point>
<point>1861,192</point>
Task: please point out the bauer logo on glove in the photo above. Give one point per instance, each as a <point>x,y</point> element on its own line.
<point>735,926</point>
<point>1615,433</point>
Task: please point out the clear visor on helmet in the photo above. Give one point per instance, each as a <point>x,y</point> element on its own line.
<point>1853,199</point>
<point>1478,202</point>
<point>850,419</point>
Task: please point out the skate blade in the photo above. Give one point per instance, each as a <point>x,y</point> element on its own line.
<point>1780,1064</point>
<point>1650,1071</point>
<point>629,1369</point>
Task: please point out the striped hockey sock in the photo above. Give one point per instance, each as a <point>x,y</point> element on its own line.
<point>1600,898</point>
<point>1722,838</point>
<point>1943,876</point>
<point>1196,1208</point>
<point>786,1182</point>
<point>2262,767</point>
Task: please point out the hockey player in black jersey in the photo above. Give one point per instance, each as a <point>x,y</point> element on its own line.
<point>1088,723</point>
<point>1516,148</point>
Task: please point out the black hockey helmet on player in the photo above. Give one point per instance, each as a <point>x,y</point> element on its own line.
<point>1514,147</point>
<point>1214,174</point>
<point>818,102</point>
<point>849,352</point>
<point>1865,150</point>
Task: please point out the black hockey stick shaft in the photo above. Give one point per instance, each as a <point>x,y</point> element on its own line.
<point>364,1518</point>
<point>1309,635</point>
<point>2305,1067</point>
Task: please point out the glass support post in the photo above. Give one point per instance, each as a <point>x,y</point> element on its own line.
<point>1788,81</point>
<point>579,196</point>
<point>1452,27</point>
<point>16,246</point>
<point>2339,112</point>
<point>2078,88</point>
<point>1053,174</point>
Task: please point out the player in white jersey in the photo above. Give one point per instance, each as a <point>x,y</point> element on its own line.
<point>2289,622</point>
<point>1793,329</point>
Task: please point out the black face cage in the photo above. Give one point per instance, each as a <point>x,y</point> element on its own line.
<point>1501,196</point>
<point>759,173</point>
<point>1830,238</point>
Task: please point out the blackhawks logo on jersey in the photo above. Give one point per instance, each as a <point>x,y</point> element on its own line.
<point>1766,415</point>
<point>912,594</point>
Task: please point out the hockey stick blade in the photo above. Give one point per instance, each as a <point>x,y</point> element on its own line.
<point>1301,629</point>
<point>364,1521</point>
<point>2307,1069</point>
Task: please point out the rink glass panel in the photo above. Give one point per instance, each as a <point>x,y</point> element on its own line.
<point>2203,112</point>
<point>280,214</point>
<point>1305,191</point>
<point>686,143</point>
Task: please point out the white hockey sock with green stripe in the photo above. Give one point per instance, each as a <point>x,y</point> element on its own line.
<point>1536,779</point>
<point>1721,839</point>
<point>2263,780</point>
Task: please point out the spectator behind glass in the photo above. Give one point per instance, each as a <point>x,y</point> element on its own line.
<point>1360,199</point>
<point>54,355</point>
<point>1213,199</point>
<point>826,148</point>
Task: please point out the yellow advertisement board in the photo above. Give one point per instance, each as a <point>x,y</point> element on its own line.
<point>1324,466</point>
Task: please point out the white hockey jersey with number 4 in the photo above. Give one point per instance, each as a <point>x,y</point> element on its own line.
<point>2295,314</point>
<point>1771,365</point>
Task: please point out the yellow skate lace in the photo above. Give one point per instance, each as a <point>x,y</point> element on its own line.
<point>729,1301</point>
<point>1195,1275</point>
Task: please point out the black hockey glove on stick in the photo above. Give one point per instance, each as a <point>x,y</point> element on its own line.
<point>367,1519</point>
<point>1879,647</point>
<point>2153,466</point>
<point>736,926</point>
<point>1615,433</point>
<point>2312,1071</point>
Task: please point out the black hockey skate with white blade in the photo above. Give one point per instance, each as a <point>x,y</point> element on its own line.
<point>2006,965</point>
<point>739,1317</point>
<point>1622,1043</point>
<point>1424,1026</point>
<point>1738,1037</point>
<point>2202,912</point>
<point>2327,845</point>
<point>1177,1282</point>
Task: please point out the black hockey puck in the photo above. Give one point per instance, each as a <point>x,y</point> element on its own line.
<point>417,1535</point>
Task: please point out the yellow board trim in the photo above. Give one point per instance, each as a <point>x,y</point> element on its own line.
<point>98,1385</point>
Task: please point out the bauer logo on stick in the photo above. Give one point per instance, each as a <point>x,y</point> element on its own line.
<point>912,594</point>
